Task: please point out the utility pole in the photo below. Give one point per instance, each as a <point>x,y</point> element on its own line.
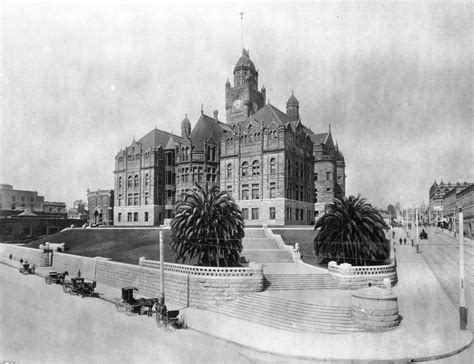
<point>417,237</point>
<point>162,275</point>
<point>462,293</point>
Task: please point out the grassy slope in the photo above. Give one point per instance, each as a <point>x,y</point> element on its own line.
<point>124,245</point>
<point>128,245</point>
<point>305,239</point>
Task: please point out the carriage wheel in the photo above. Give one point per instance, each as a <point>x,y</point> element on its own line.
<point>183,323</point>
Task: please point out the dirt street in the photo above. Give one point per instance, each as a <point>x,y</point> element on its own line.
<point>41,324</point>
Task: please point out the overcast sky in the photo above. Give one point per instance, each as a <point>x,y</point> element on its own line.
<point>80,80</point>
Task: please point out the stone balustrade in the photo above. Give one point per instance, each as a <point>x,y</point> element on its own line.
<point>252,270</point>
<point>355,277</point>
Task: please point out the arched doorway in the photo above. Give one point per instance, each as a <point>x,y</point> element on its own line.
<point>98,215</point>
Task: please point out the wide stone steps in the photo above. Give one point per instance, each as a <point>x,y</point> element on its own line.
<point>266,256</point>
<point>259,243</point>
<point>299,281</point>
<point>290,315</point>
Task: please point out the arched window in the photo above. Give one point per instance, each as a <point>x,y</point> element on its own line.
<point>120,182</point>
<point>272,166</point>
<point>129,181</point>
<point>229,170</point>
<point>147,179</point>
<point>245,169</point>
<point>135,181</point>
<point>255,168</point>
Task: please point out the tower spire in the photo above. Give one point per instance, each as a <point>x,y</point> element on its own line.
<point>242,31</point>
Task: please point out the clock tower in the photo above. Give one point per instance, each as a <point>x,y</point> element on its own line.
<point>243,99</point>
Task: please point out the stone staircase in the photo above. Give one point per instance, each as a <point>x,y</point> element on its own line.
<point>257,247</point>
<point>302,281</point>
<point>290,315</point>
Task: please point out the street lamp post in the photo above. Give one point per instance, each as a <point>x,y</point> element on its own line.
<point>162,275</point>
<point>462,293</point>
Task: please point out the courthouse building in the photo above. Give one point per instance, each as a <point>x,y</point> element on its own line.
<point>276,168</point>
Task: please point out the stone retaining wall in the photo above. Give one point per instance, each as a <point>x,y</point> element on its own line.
<point>184,285</point>
<point>74,263</point>
<point>33,256</point>
<point>350,277</point>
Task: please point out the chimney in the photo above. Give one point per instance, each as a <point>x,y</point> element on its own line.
<point>215,115</point>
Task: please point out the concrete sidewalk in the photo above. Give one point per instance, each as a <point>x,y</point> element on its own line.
<point>429,329</point>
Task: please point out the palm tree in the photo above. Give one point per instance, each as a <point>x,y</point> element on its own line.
<point>352,231</point>
<point>208,227</point>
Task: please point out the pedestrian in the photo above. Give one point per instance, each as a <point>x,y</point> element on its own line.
<point>21,261</point>
<point>400,241</point>
<point>405,241</point>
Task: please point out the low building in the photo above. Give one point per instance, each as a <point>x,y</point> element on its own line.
<point>19,200</point>
<point>101,207</point>
<point>54,207</point>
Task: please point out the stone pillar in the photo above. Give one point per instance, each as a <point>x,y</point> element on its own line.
<point>375,309</point>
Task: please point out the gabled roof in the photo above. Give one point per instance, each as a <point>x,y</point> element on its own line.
<point>27,213</point>
<point>319,138</point>
<point>171,144</point>
<point>205,128</point>
<point>270,113</point>
<point>157,137</point>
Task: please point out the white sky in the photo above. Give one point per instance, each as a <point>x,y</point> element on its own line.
<point>81,79</point>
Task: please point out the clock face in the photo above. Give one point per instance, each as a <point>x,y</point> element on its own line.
<point>237,106</point>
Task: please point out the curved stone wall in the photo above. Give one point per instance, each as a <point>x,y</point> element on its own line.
<point>375,309</point>
<point>355,277</point>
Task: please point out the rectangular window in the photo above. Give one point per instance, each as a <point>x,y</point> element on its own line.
<point>129,199</point>
<point>255,192</point>
<point>272,213</point>
<point>245,214</point>
<point>146,198</point>
<point>135,199</point>
<point>255,214</point>
<point>272,189</point>
<point>297,214</point>
<point>129,217</point>
<point>146,216</point>
<point>315,176</point>
<point>119,217</point>
<point>135,216</point>
<point>328,176</point>
<point>245,192</point>
<point>301,214</point>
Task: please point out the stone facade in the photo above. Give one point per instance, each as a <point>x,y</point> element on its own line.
<point>144,180</point>
<point>101,207</point>
<point>437,193</point>
<point>11,199</point>
<point>276,168</point>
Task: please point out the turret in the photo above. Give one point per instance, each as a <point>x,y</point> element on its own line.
<point>185,127</point>
<point>293,108</point>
